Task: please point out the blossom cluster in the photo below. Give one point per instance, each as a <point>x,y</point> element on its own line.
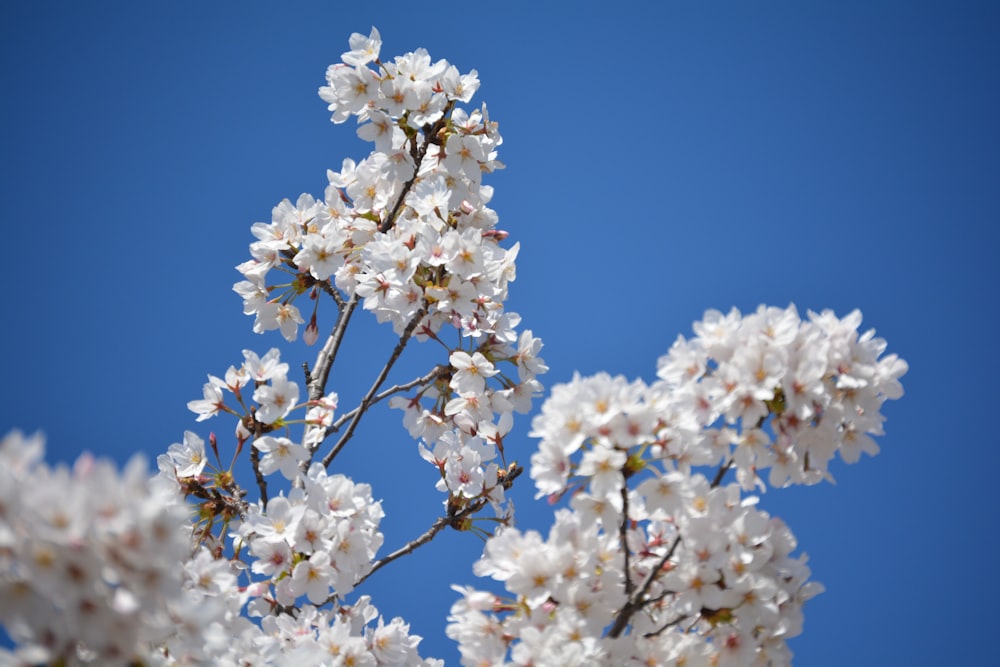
<point>274,398</point>
<point>768,391</point>
<point>729,593</point>
<point>406,229</point>
<point>98,568</point>
<point>654,562</point>
<point>296,554</point>
<point>408,233</point>
<point>92,564</point>
<point>316,543</point>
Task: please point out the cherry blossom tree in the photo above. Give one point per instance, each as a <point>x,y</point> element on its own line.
<point>658,553</point>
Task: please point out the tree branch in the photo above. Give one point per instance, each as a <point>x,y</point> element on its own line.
<point>329,289</point>
<point>261,482</point>
<point>637,600</point>
<point>417,153</point>
<point>326,356</point>
<point>439,524</point>
<point>723,469</point>
<point>344,418</point>
<point>366,402</point>
<point>664,627</point>
<point>622,535</point>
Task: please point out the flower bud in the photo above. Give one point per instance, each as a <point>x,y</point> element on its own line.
<point>311,334</point>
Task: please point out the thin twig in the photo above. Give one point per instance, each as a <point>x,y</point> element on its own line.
<point>439,524</point>
<point>663,627</point>
<point>723,469</point>
<point>326,356</point>
<point>326,287</point>
<point>344,418</point>
<point>261,482</point>
<point>637,600</point>
<point>370,396</point>
<point>622,534</point>
<point>417,153</point>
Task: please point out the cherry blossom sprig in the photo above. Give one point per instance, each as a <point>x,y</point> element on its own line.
<point>766,391</point>
<point>654,562</point>
<point>407,235</point>
<point>97,567</point>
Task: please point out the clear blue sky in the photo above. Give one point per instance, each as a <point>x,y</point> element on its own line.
<point>663,158</point>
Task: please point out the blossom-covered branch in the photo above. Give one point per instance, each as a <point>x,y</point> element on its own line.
<point>654,563</point>
<point>659,555</point>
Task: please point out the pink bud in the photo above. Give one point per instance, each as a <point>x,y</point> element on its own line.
<point>496,234</point>
<point>311,334</point>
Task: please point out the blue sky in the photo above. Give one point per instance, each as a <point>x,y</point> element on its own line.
<point>662,158</point>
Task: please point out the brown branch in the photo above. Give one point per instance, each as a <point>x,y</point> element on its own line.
<point>327,355</point>
<point>663,627</point>
<point>723,469</point>
<point>366,402</point>
<point>329,289</point>
<point>261,482</point>
<point>417,153</point>
<point>439,524</point>
<point>622,535</point>
<point>344,418</point>
<point>637,600</point>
